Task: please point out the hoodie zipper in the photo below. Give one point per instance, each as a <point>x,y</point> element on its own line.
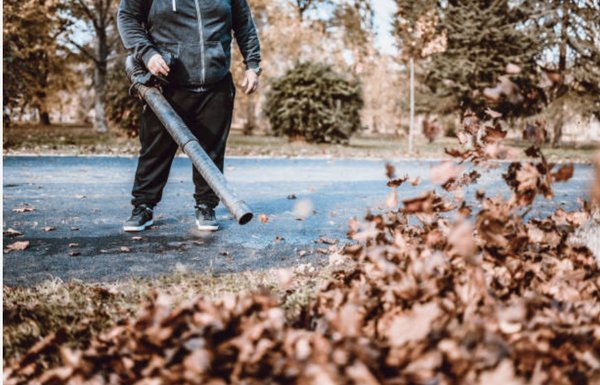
<point>201,35</point>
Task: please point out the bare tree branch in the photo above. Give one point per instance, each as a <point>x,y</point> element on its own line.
<point>89,13</point>
<point>112,42</point>
<point>84,51</point>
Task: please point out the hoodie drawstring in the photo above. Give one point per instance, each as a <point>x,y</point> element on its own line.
<point>174,5</point>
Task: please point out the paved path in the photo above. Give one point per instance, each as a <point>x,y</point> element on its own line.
<point>91,194</point>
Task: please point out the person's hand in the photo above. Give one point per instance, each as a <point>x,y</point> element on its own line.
<point>250,83</point>
<point>158,66</point>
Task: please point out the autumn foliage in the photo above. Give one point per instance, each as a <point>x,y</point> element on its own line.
<point>436,290</point>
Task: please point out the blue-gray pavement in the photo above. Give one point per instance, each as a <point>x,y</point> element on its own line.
<point>86,199</point>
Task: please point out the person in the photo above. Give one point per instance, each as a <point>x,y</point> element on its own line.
<point>197,35</point>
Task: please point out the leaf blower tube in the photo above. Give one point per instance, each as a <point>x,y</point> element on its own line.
<point>141,84</point>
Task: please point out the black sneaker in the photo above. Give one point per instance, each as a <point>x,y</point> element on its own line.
<point>141,217</point>
<point>205,218</point>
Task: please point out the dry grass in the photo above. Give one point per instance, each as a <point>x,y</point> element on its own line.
<point>83,310</point>
<point>82,140</point>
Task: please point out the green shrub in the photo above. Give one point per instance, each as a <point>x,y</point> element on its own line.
<point>313,102</point>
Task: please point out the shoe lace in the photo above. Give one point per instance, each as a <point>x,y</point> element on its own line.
<point>205,211</point>
<point>139,209</point>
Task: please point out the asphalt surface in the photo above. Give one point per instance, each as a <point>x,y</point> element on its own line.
<point>86,199</point>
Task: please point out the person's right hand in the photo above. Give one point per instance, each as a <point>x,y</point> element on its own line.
<point>158,66</point>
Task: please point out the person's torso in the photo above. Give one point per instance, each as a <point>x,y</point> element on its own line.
<point>197,33</point>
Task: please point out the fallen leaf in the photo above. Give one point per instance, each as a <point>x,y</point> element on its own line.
<point>512,69</point>
<point>425,203</point>
<point>504,374</point>
<point>413,325</point>
<point>390,171</point>
<point>23,209</point>
<point>397,182</point>
<point>461,241</point>
<point>284,277</point>
<point>493,134</point>
<point>493,114</point>
<point>17,246</point>
<point>445,171</point>
<point>328,241</point>
<point>564,173</point>
<point>303,209</point>
<point>11,233</point>
<point>457,154</point>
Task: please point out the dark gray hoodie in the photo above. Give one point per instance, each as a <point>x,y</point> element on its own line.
<point>197,33</point>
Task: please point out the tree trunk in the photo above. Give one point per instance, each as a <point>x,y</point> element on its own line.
<point>250,125</point>
<point>42,109</point>
<point>562,66</point>
<point>44,118</point>
<point>557,132</point>
<point>562,51</point>
<point>100,72</point>
<point>100,123</point>
<point>43,114</point>
<point>6,120</point>
<point>411,128</point>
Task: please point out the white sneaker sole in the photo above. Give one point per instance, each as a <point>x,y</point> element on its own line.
<point>132,229</point>
<point>206,227</point>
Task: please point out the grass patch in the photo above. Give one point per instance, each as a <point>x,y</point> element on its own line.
<point>82,310</point>
<point>83,140</point>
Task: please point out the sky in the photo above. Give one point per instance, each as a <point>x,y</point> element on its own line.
<point>384,13</point>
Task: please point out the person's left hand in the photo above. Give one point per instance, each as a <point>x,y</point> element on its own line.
<point>250,84</point>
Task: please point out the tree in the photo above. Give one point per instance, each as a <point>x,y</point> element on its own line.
<point>571,29</point>
<point>418,35</point>
<point>34,63</point>
<point>382,112</point>
<point>345,44</point>
<point>303,6</point>
<point>313,102</point>
<point>285,39</point>
<point>354,18</point>
<point>99,18</point>
<point>488,43</point>
<point>122,109</point>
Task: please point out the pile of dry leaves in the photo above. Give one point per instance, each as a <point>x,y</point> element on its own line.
<point>463,294</point>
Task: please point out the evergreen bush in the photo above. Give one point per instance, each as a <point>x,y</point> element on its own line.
<point>313,102</point>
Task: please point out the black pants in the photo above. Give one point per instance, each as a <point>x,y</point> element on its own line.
<point>208,115</point>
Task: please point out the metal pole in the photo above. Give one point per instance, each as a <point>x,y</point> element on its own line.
<point>188,143</point>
